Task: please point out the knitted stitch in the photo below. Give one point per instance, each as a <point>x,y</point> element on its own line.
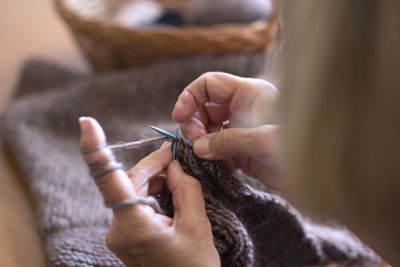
<point>253,222</point>
<point>40,130</point>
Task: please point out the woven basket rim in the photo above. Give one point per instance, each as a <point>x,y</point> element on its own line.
<point>69,14</point>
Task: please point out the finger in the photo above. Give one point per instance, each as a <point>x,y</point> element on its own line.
<point>193,129</point>
<point>187,196</point>
<point>214,87</point>
<point>113,185</point>
<point>195,126</point>
<point>258,143</point>
<point>210,116</point>
<point>149,168</point>
<point>226,89</point>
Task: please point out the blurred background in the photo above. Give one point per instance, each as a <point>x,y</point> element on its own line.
<point>27,28</point>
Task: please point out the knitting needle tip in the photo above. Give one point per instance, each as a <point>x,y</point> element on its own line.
<point>170,135</point>
<point>174,145</point>
<point>163,132</point>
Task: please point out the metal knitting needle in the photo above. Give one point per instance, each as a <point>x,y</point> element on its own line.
<point>170,135</point>
<point>163,132</point>
<point>174,145</point>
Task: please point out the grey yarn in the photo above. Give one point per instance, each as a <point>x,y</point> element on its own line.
<point>137,144</point>
<point>89,150</point>
<point>263,229</point>
<point>40,131</point>
<point>151,201</point>
<point>101,163</point>
<point>112,166</point>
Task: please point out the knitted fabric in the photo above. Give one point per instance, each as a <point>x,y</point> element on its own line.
<point>254,228</point>
<point>40,130</point>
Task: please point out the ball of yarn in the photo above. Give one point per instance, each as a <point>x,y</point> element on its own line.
<point>138,13</point>
<point>208,12</point>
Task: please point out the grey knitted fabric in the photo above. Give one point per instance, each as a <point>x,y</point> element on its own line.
<point>254,228</point>
<point>40,130</point>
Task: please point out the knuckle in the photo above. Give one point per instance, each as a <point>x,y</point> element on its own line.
<point>221,141</point>
<point>132,172</point>
<point>193,183</point>
<point>104,181</point>
<point>208,74</point>
<point>97,155</point>
<point>198,228</point>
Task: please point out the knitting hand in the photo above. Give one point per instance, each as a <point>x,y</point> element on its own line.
<point>248,104</point>
<point>138,235</point>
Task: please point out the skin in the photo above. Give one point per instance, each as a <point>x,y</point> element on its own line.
<point>248,144</point>
<point>250,141</point>
<point>138,235</point>
<point>141,237</point>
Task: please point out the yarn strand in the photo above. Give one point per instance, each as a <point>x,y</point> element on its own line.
<point>137,144</point>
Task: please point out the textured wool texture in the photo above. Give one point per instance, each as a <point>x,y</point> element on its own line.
<point>254,228</point>
<point>40,130</point>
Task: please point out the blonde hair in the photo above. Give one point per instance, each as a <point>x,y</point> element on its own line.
<point>340,108</point>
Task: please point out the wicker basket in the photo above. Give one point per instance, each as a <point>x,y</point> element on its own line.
<point>109,45</point>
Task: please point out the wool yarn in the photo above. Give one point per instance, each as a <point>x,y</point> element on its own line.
<point>136,144</point>
<point>253,228</point>
<point>209,12</point>
<point>40,131</point>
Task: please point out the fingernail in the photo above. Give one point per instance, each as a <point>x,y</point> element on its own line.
<point>201,146</point>
<point>84,124</point>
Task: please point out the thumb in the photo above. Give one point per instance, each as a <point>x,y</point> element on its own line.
<point>255,143</point>
<point>187,196</point>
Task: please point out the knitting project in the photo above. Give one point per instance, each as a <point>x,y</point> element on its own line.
<point>253,228</point>
<point>40,131</point>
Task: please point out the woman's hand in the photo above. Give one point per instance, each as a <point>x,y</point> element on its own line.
<point>138,235</point>
<point>205,106</point>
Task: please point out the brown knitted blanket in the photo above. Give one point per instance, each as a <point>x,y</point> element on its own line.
<point>40,130</point>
